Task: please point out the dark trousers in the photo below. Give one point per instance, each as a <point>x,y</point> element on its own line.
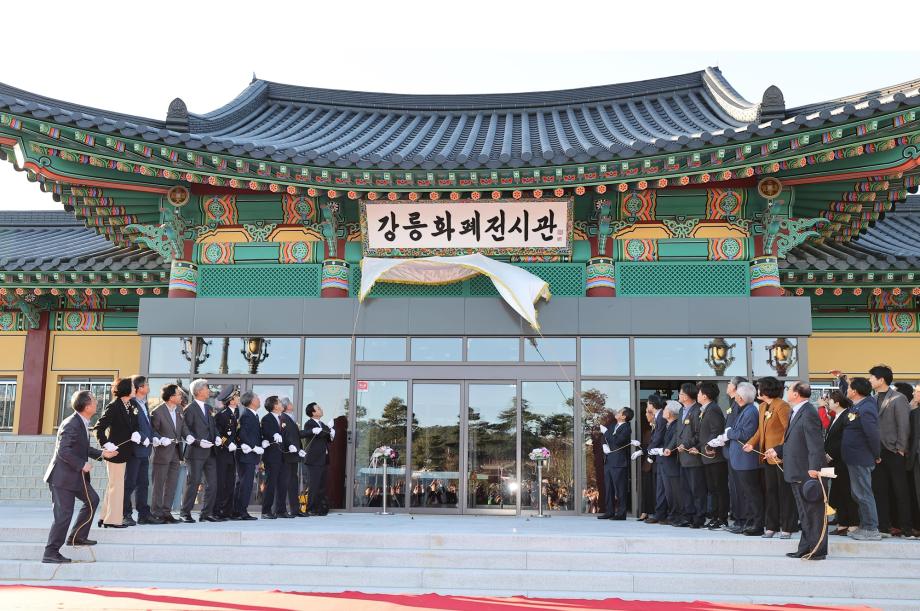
<point>779,506</point>
<point>661,498</point>
<point>316,475</point>
<point>735,503</point>
<point>615,482</point>
<point>717,485</point>
<point>752,494</point>
<point>62,502</point>
<point>813,518</point>
<point>889,483</point>
<point>693,483</point>
<point>196,469</point>
<point>841,499</point>
<point>242,490</point>
<point>275,488</point>
<point>292,471</point>
<point>673,493</point>
<point>647,506</point>
<point>137,480</point>
<point>226,477</point>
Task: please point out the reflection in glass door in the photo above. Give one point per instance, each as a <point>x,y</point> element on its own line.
<point>492,442</point>
<point>381,413</point>
<point>435,473</point>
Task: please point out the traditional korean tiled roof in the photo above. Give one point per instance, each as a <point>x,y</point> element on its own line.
<point>893,243</point>
<point>305,125</point>
<point>57,242</point>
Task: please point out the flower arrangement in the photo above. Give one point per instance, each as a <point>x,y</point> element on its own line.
<point>539,454</point>
<point>385,452</point>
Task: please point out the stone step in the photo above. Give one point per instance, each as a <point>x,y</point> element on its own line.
<point>575,583</point>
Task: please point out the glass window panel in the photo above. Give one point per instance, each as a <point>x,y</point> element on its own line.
<point>166,354</point>
<point>687,356</point>
<point>266,389</point>
<point>549,349</point>
<point>7,404</point>
<point>250,355</point>
<point>381,412</point>
<point>156,389</point>
<point>492,446</point>
<point>493,349</point>
<point>332,396</point>
<point>596,397</point>
<point>437,349</point>
<point>380,349</point>
<point>548,420</point>
<point>775,356</point>
<point>100,387</point>
<point>604,356</point>
<point>435,445</point>
<point>324,355</point>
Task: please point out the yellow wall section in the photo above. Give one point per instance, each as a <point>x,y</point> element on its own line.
<point>12,351</point>
<point>104,354</point>
<point>855,353</point>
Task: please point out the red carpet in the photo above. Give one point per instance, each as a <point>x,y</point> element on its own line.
<point>74,597</point>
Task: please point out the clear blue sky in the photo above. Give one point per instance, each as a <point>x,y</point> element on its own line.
<point>136,57</point>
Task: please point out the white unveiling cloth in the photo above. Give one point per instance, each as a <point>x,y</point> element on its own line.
<point>518,287</point>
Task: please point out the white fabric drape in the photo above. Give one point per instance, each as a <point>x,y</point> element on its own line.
<point>518,287</point>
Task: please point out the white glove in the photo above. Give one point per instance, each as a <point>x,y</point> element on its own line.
<point>136,437</point>
<point>301,454</point>
<point>654,452</point>
<point>217,441</point>
<point>265,444</point>
<point>204,443</point>
<point>635,443</point>
<point>156,442</point>
<point>723,438</point>
<point>649,459</point>
<point>232,447</point>
<point>146,442</point>
<point>259,451</point>
<point>246,449</point>
<point>165,441</point>
<point>331,423</point>
<point>109,447</point>
<point>189,439</point>
<point>635,455</point>
<point>277,437</point>
<point>331,433</point>
<point>603,429</point>
<point>292,448</point>
<point>606,449</point>
<point>715,443</point>
<point>317,430</point>
<point>725,433</point>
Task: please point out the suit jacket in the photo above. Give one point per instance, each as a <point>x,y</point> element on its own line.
<point>144,428</point>
<point>656,440</point>
<point>712,424</point>
<point>861,443</point>
<point>913,454</point>
<point>833,441</point>
<point>270,426</point>
<point>687,434</point>
<point>227,424</point>
<point>317,445</point>
<point>249,433</point>
<point>163,427</point>
<point>199,426</point>
<point>116,425</point>
<point>617,437</point>
<point>669,465</point>
<point>745,428</point>
<point>290,436</point>
<point>803,446</point>
<point>894,421</point>
<point>774,418</point>
<point>71,452</point>
<point>731,414</point>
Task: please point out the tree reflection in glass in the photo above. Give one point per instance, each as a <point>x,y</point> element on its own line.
<point>492,436</point>
<point>548,420</point>
<point>597,396</point>
<point>381,418</point>
<point>435,445</point>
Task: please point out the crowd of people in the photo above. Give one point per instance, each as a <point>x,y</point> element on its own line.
<point>221,449</point>
<point>757,468</point>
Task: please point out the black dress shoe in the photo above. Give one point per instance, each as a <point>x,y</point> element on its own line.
<point>605,516</point>
<point>81,542</point>
<point>122,525</point>
<point>207,518</point>
<point>235,517</point>
<point>246,517</point>
<point>651,520</point>
<point>681,524</point>
<point>99,523</point>
<point>716,525</point>
<point>187,519</point>
<point>56,559</point>
<point>220,518</point>
<point>696,525</point>
<point>753,532</point>
<point>794,554</point>
<point>151,519</point>
<point>735,530</point>
<point>301,514</point>
<point>170,519</point>
<point>618,518</point>
<point>269,516</point>
<point>129,521</point>
<point>815,557</point>
<point>285,515</point>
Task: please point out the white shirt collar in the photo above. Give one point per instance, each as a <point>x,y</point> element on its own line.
<point>796,407</point>
<point>85,421</point>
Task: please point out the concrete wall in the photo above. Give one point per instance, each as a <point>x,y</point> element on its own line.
<point>23,460</point>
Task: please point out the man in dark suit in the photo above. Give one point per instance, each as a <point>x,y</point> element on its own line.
<point>200,433</point>
<point>669,463</point>
<point>166,421</point>
<point>617,448</point>
<point>137,469</point>
<point>861,450</point>
<point>715,470</point>
<point>692,480</point>
<point>736,504</point>
<point>250,439</point>
<point>657,441</point>
<point>68,478</point>
<point>275,485</point>
<point>747,465</point>
<point>225,453</point>
<point>802,452</point>
<point>318,436</point>
<point>292,457</point>
<point>889,479</point>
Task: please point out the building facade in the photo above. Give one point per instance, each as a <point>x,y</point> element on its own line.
<point>684,233</point>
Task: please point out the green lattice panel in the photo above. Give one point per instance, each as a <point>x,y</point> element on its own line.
<point>714,279</point>
<point>259,280</point>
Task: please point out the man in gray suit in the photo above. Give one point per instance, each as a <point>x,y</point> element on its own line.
<point>200,433</point>
<point>686,440</point>
<point>68,478</point>
<point>166,421</point>
<point>889,479</point>
<point>802,453</point>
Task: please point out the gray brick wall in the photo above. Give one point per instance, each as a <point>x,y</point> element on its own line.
<point>23,460</point>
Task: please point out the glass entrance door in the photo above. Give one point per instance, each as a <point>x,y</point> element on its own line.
<point>435,456</point>
<point>492,474</point>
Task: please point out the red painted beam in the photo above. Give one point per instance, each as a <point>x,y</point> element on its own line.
<point>34,366</point>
